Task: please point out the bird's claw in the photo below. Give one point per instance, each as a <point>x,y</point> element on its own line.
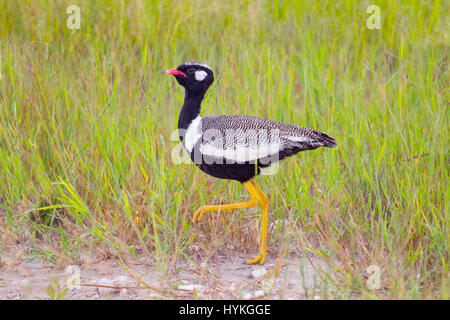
<point>137,220</point>
<point>199,213</point>
<point>260,258</point>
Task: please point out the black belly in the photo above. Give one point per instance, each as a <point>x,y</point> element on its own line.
<point>224,169</point>
<point>240,171</point>
<point>237,171</point>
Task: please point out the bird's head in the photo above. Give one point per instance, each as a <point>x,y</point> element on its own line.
<point>195,76</point>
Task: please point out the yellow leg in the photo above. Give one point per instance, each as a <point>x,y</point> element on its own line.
<point>201,211</point>
<point>263,202</point>
<point>258,198</point>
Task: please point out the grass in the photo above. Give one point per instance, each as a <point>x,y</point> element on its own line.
<point>86,122</point>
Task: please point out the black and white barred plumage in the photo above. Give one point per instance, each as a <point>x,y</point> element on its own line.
<point>288,136</point>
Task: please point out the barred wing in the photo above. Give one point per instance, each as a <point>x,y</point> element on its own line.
<point>246,138</point>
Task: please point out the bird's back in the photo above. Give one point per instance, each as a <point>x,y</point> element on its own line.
<point>259,133</point>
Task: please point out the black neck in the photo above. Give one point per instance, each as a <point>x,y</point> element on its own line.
<point>191,108</point>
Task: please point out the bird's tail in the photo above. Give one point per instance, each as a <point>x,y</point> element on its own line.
<point>327,140</point>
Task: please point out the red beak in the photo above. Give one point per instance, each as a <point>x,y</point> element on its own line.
<point>174,72</point>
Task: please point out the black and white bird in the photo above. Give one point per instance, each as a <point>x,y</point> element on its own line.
<point>236,147</point>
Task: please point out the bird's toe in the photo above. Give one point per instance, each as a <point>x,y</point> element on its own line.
<point>198,215</point>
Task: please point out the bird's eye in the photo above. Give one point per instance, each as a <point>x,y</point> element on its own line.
<point>190,70</point>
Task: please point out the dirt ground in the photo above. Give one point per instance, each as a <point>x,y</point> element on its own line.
<point>227,277</point>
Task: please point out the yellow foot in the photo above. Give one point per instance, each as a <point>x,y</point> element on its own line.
<point>260,259</point>
<point>137,220</point>
<point>199,213</point>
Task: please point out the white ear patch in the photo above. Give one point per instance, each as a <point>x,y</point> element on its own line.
<point>200,75</point>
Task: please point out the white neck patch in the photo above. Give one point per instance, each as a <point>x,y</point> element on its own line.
<point>193,133</point>
<point>200,75</point>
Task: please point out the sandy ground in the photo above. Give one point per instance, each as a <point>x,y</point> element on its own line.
<point>224,276</point>
<point>227,277</point>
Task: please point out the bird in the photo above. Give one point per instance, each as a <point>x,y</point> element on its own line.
<point>236,147</point>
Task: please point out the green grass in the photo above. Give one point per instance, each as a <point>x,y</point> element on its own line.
<point>86,121</point>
